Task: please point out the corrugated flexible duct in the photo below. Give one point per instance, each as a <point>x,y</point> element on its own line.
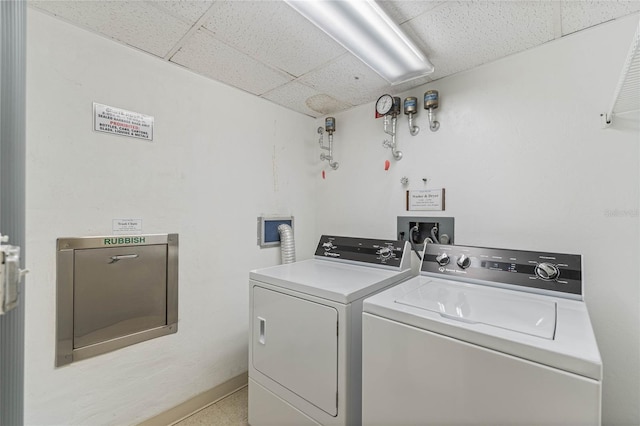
<point>287,245</point>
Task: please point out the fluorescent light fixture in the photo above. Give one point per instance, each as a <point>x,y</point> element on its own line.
<point>363,28</point>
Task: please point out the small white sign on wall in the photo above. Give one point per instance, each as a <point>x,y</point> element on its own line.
<point>127,226</point>
<point>121,122</point>
<point>425,199</point>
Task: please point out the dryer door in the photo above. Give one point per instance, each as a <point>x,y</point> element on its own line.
<point>295,343</point>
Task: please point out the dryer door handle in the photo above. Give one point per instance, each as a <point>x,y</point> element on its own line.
<point>262,338</point>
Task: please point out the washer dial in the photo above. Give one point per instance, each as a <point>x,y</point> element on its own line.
<point>547,271</point>
<point>442,259</point>
<point>385,252</point>
<point>464,261</point>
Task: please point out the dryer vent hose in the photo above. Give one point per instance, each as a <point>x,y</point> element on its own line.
<point>287,245</point>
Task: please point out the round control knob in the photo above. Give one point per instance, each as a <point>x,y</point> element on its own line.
<point>442,259</point>
<point>464,261</point>
<point>385,252</point>
<point>547,271</point>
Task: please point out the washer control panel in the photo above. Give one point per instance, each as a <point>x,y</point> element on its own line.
<point>535,270</point>
<point>389,253</point>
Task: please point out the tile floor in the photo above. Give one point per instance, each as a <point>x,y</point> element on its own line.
<point>229,411</point>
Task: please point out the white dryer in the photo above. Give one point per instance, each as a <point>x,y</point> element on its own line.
<point>485,337</point>
<point>305,332</point>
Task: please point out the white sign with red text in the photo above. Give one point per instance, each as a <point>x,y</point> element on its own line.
<point>121,122</point>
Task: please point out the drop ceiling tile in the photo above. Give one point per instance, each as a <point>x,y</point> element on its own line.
<point>273,33</point>
<point>400,11</point>
<point>131,22</point>
<point>210,57</point>
<point>577,15</point>
<point>346,79</point>
<point>187,10</point>
<point>260,45</point>
<point>460,35</point>
<point>306,100</point>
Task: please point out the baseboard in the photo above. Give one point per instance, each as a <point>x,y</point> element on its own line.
<point>198,402</point>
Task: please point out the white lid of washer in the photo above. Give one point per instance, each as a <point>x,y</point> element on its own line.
<point>509,311</point>
<point>573,347</point>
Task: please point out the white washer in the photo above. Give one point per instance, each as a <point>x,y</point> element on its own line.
<point>482,336</point>
<point>305,332</point>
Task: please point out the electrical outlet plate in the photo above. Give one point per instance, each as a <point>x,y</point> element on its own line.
<point>268,235</point>
<point>444,225</point>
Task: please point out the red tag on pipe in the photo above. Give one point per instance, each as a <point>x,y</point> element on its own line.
<point>387,164</point>
<point>323,176</point>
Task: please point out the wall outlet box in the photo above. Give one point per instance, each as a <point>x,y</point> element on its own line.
<point>416,229</point>
<point>268,235</point>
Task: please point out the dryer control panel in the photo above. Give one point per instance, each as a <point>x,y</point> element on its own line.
<point>538,272</point>
<point>386,253</point>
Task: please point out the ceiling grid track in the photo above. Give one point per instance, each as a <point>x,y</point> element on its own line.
<point>194,29</point>
<point>557,19</point>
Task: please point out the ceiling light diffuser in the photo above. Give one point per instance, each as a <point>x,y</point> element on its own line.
<point>366,31</point>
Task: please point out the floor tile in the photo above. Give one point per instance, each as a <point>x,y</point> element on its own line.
<point>229,411</point>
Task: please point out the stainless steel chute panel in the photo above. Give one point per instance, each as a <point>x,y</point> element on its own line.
<point>114,292</point>
<point>118,291</point>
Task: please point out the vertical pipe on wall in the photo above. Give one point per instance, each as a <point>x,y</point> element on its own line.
<point>13,23</point>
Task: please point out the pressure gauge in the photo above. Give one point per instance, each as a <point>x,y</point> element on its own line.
<point>397,104</point>
<point>384,104</point>
<point>330,124</point>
